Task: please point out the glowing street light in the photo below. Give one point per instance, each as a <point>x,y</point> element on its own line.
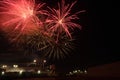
<point>15,66</point>
<point>44,61</point>
<point>38,71</point>
<point>4,66</point>
<point>34,61</point>
<point>85,71</point>
<point>3,72</point>
<point>75,71</point>
<point>20,72</point>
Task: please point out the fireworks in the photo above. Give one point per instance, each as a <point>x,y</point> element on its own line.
<point>20,15</point>
<point>60,49</point>
<point>61,19</point>
<point>33,28</point>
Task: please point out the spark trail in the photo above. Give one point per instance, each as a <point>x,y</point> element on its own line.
<point>61,19</point>
<point>20,15</point>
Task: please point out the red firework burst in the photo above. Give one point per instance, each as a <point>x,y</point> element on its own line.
<point>61,19</point>
<point>21,14</point>
<point>51,33</point>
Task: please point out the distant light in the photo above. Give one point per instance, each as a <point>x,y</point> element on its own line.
<point>4,66</point>
<point>39,72</point>
<point>3,72</point>
<point>44,61</point>
<point>75,71</point>
<point>78,70</point>
<point>34,61</point>
<point>15,66</point>
<point>85,71</point>
<point>70,72</point>
<point>20,72</point>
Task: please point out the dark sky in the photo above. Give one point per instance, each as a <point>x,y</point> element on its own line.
<point>96,39</point>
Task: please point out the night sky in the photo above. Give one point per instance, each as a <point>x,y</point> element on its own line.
<point>95,42</point>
